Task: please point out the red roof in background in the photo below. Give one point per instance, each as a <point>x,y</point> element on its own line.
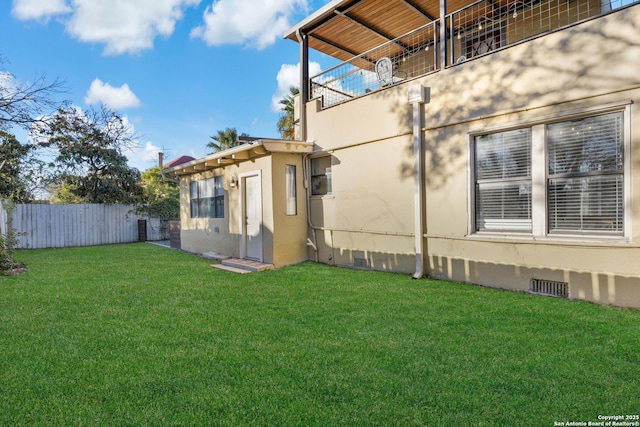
<point>180,160</point>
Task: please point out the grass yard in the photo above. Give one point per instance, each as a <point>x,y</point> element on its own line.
<point>142,335</point>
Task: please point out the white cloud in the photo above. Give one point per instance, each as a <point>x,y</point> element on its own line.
<point>257,23</point>
<point>115,98</point>
<point>289,75</point>
<point>38,9</point>
<point>140,155</point>
<point>123,26</point>
<point>144,157</point>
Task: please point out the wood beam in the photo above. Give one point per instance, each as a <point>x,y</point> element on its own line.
<point>260,150</point>
<point>370,28</point>
<point>242,155</point>
<point>335,46</point>
<point>418,10</point>
<point>329,18</point>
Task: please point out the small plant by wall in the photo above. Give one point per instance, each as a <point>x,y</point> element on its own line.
<point>8,242</point>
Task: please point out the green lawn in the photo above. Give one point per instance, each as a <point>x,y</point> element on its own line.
<point>142,335</point>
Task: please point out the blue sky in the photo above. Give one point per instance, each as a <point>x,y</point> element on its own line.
<point>179,70</point>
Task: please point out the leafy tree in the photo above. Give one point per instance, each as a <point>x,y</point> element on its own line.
<point>90,160</point>
<point>12,156</point>
<point>63,193</point>
<point>21,171</point>
<point>162,196</point>
<point>224,140</point>
<point>286,123</point>
<point>25,103</point>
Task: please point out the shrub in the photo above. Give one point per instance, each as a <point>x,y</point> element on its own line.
<point>8,242</point>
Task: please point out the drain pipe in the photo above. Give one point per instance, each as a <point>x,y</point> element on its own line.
<point>418,95</point>
<point>313,241</point>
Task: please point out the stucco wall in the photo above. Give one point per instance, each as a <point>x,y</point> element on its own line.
<point>222,235</point>
<point>283,236</point>
<point>585,66</point>
<point>290,231</point>
<point>367,216</point>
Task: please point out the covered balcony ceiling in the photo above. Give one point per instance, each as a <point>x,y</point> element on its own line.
<point>347,28</point>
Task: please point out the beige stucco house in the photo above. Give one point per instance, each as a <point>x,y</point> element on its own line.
<point>492,142</point>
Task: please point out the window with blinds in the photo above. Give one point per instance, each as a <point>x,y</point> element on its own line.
<point>577,179</point>
<point>585,181</point>
<point>503,181</point>
<point>207,198</point>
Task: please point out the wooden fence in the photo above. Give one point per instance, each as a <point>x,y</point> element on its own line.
<point>57,226</point>
<point>3,220</point>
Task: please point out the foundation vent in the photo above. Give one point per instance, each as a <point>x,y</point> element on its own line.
<point>549,287</point>
<point>361,263</point>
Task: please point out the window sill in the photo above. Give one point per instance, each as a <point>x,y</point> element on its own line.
<point>556,239</point>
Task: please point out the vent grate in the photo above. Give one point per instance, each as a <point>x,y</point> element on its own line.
<point>361,263</point>
<point>549,287</point>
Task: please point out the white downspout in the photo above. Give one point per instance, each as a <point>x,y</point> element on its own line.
<point>417,96</point>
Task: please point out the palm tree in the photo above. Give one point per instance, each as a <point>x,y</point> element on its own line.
<point>286,123</point>
<point>224,140</point>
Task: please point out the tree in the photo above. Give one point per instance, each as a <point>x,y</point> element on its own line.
<point>25,103</point>
<point>21,171</point>
<point>286,123</point>
<point>12,156</point>
<point>224,140</point>
<point>90,163</point>
<point>161,195</point>
<point>64,193</point>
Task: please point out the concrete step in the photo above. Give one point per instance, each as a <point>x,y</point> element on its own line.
<point>247,264</point>
<point>214,256</point>
<point>231,269</point>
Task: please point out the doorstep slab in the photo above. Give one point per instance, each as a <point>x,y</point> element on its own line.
<point>214,256</point>
<point>231,269</point>
<point>247,264</point>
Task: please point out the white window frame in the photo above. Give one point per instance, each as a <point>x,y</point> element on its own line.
<point>217,183</point>
<point>539,176</point>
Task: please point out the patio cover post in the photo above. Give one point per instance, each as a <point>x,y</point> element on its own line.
<point>303,39</point>
<point>444,59</point>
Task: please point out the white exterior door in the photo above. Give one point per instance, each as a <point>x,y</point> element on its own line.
<point>252,229</point>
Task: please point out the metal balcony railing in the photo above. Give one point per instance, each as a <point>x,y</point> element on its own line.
<point>406,57</point>
<point>474,30</point>
<point>483,27</point>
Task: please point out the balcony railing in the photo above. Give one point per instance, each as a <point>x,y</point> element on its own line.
<point>481,28</point>
<point>412,55</point>
<point>475,30</point>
